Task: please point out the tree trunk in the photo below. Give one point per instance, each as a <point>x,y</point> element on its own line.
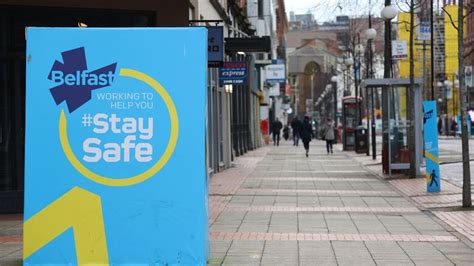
<point>466,186</point>
<point>410,97</point>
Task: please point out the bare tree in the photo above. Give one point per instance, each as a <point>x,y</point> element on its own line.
<point>463,12</point>
<point>412,6</point>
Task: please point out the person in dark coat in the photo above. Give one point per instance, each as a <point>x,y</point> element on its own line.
<point>286,132</point>
<point>454,126</point>
<point>306,133</point>
<point>276,128</point>
<point>296,127</point>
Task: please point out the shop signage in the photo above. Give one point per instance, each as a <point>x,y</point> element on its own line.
<point>215,46</point>
<point>108,116</point>
<point>399,50</point>
<point>275,73</point>
<point>430,131</point>
<point>423,31</point>
<point>248,44</point>
<point>233,73</point>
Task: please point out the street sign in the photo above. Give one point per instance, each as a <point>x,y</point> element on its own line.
<point>399,50</point>
<point>215,46</point>
<point>233,73</point>
<point>108,116</point>
<point>430,130</point>
<point>275,73</point>
<point>423,31</point>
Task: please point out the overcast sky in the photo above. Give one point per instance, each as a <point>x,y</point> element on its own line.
<point>327,10</point>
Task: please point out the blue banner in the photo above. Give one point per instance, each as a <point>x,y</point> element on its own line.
<point>233,73</point>
<point>215,46</point>
<point>430,129</point>
<point>113,175</point>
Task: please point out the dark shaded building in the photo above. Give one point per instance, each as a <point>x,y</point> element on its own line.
<point>15,15</point>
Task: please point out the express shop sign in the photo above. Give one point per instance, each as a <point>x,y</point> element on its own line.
<point>233,73</point>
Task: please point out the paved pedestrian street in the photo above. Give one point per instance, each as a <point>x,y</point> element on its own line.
<point>277,207</point>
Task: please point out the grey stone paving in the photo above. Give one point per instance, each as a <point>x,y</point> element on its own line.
<point>275,172</point>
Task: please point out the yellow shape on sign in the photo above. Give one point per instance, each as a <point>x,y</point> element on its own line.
<point>79,209</point>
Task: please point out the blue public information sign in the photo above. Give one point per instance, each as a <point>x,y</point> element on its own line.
<point>430,129</point>
<point>233,73</point>
<point>112,173</point>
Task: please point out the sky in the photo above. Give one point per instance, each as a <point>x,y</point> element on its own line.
<point>327,10</point>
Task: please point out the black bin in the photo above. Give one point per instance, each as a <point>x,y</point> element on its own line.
<point>361,144</point>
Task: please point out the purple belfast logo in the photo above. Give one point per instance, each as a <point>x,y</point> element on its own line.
<point>75,82</point>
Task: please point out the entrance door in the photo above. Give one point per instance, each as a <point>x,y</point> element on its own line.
<point>13,20</point>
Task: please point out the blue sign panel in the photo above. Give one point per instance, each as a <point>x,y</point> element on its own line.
<point>233,73</point>
<point>215,45</point>
<point>110,177</point>
<point>433,180</point>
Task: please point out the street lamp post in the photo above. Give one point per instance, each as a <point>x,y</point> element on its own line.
<point>371,34</point>
<point>348,62</point>
<point>359,49</point>
<point>293,78</point>
<point>312,92</point>
<point>448,86</point>
<point>388,13</point>
<point>334,88</point>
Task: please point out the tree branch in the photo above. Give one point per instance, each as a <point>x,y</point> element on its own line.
<point>450,18</point>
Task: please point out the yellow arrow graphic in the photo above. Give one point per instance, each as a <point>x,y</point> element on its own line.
<point>79,209</point>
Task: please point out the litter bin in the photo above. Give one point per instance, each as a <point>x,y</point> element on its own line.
<point>361,144</point>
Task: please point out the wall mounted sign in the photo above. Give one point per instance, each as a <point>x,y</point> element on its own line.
<point>399,50</point>
<point>109,175</point>
<point>275,73</point>
<point>233,73</point>
<point>215,46</point>
<point>423,31</point>
<point>430,130</point>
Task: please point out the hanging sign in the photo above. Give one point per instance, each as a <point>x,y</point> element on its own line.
<point>215,46</point>
<point>275,73</point>
<point>423,31</point>
<point>430,130</point>
<point>399,50</point>
<point>108,117</point>
<point>233,73</point>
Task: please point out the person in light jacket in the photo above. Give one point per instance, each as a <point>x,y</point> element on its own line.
<point>329,135</point>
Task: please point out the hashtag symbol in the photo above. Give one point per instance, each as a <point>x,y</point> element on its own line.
<point>87,120</point>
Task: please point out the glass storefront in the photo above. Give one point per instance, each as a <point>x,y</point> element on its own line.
<point>13,21</point>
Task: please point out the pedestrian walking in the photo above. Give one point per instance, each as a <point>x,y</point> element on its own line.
<point>440,125</point>
<point>286,132</point>
<point>454,126</point>
<point>329,135</point>
<point>296,127</point>
<point>276,128</point>
<point>306,133</point>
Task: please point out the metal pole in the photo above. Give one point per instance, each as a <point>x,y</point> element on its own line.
<point>386,74</point>
<point>466,184</point>
<point>432,50</point>
<point>372,92</point>
<point>334,86</point>
<point>312,95</point>
<point>389,132</point>
<point>425,77</point>
<point>356,80</point>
